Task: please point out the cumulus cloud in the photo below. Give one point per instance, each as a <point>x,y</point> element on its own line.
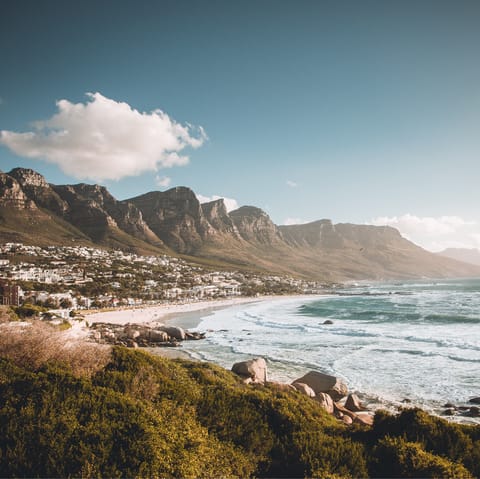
<point>104,139</point>
<point>292,184</point>
<point>435,233</point>
<point>230,203</point>
<point>163,181</point>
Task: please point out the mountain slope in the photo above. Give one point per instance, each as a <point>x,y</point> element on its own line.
<point>36,212</point>
<point>466,255</point>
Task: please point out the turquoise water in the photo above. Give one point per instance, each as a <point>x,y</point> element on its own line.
<point>413,340</point>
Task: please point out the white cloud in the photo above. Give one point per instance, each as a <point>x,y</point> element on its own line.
<point>163,181</point>
<point>435,234</point>
<point>291,183</point>
<point>293,221</point>
<point>230,203</point>
<point>103,139</point>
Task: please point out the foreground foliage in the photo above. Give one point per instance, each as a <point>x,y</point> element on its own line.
<point>148,416</point>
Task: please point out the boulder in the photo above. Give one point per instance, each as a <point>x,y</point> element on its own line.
<point>474,411</point>
<point>328,321</point>
<point>256,369</point>
<point>324,383</point>
<point>474,400</point>
<point>325,401</point>
<point>347,420</point>
<point>174,332</point>
<point>157,336</point>
<point>339,409</point>
<point>281,386</point>
<point>353,403</point>
<point>131,333</point>
<point>304,388</point>
<point>449,412</point>
<point>364,418</point>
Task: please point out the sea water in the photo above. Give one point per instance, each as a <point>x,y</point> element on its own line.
<point>415,341</point>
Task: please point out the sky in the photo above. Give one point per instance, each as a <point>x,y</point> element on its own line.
<point>357,111</point>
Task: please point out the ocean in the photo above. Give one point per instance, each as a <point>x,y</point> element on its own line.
<point>393,343</point>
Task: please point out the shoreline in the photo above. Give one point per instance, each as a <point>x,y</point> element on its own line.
<point>189,316</point>
<point>176,313</point>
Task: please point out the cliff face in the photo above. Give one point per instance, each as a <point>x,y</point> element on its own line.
<point>12,195</point>
<point>101,210</point>
<point>34,211</point>
<point>254,225</point>
<point>216,214</point>
<point>38,190</point>
<point>176,217</point>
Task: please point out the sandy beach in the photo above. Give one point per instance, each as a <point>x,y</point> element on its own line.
<point>165,312</point>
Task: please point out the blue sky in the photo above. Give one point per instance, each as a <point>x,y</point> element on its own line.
<point>358,111</point>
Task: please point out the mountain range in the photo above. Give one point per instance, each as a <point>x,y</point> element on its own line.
<point>34,211</point>
<point>467,255</point>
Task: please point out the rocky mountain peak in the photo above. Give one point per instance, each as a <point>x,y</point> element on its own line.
<point>216,214</point>
<point>27,176</point>
<point>12,194</point>
<point>253,224</point>
<point>38,190</point>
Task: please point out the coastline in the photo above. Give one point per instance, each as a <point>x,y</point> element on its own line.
<point>190,315</point>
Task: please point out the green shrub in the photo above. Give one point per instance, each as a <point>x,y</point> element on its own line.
<point>29,311</point>
<point>434,434</point>
<point>396,457</point>
<point>144,415</point>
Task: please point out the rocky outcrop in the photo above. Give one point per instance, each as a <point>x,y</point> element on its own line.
<point>353,403</point>
<point>324,383</point>
<point>38,190</point>
<point>141,335</point>
<point>174,332</point>
<point>215,213</point>
<point>93,210</point>
<point>325,401</point>
<point>176,217</point>
<point>254,225</point>
<point>253,369</point>
<point>12,195</point>
<point>304,388</point>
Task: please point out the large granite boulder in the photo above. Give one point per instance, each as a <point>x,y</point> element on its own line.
<point>157,336</point>
<point>353,403</point>
<point>325,401</point>
<point>304,388</point>
<point>174,332</point>
<point>324,383</point>
<point>256,369</point>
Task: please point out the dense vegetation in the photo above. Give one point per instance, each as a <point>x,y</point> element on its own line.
<point>140,415</point>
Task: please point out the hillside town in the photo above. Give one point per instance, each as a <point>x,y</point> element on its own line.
<point>69,278</point>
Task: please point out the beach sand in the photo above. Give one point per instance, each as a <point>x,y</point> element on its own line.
<point>184,315</point>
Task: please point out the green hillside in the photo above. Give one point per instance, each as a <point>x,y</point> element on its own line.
<point>140,415</point>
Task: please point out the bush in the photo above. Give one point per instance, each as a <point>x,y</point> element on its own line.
<point>29,311</point>
<point>134,414</point>
<point>435,435</point>
<point>396,457</point>
<point>38,344</point>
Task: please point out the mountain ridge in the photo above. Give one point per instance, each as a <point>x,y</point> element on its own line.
<point>174,221</point>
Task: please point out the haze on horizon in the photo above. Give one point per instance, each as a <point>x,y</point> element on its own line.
<point>362,112</point>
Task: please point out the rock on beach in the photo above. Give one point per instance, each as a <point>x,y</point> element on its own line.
<point>255,369</point>
<point>324,383</point>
